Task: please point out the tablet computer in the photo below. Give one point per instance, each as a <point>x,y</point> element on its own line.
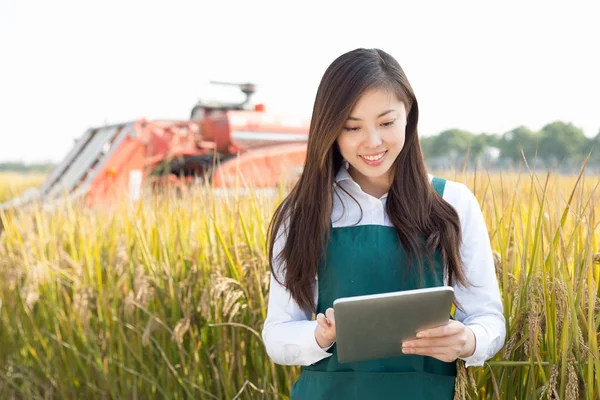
<point>374,326</point>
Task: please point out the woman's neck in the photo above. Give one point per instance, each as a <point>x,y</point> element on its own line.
<point>375,187</point>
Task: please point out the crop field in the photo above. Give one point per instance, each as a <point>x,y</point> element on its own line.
<point>166,298</point>
<point>13,184</point>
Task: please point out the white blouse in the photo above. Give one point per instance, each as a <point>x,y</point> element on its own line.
<point>288,332</point>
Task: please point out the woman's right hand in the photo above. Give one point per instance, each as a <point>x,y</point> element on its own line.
<point>325,330</point>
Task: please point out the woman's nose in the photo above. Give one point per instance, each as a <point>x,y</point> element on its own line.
<point>372,138</point>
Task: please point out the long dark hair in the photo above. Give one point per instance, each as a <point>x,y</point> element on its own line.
<point>306,211</point>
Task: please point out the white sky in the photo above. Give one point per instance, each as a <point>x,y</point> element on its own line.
<point>68,65</point>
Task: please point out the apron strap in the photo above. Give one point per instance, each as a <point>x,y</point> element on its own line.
<point>439,184</point>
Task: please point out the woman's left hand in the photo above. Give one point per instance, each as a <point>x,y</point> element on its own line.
<point>446,343</point>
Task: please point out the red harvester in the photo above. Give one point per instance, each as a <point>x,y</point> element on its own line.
<point>227,143</point>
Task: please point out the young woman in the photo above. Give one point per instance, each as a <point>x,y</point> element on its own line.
<point>365,217</point>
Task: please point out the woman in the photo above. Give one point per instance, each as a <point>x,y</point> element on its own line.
<point>365,217</point>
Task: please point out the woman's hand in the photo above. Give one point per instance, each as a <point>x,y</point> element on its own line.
<point>446,343</point>
<point>325,330</point>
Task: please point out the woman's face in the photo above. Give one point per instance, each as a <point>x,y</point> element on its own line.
<point>373,136</point>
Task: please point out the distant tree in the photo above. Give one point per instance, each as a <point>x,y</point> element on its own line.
<point>427,143</point>
<point>594,146</point>
<point>452,143</point>
<point>480,143</point>
<point>562,142</point>
<point>517,142</point>
<point>492,139</point>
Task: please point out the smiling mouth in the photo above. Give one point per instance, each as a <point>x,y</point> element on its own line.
<point>374,157</point>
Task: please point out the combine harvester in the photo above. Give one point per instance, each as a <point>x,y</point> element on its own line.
<point>230,144</point>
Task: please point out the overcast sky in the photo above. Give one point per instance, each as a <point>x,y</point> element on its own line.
<point>66,66</point>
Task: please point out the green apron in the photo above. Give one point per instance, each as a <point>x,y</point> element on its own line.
<point>367,259</point>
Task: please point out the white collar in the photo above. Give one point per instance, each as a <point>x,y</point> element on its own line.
<point>344,175</point>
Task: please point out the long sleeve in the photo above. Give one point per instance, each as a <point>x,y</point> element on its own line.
<point>289,332</point>
<point>481,303</point>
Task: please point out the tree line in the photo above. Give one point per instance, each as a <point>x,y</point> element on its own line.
<point>17,166</point>
<point>557,144</point>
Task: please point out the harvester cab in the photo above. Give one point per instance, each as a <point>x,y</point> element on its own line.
<point>203,109</point>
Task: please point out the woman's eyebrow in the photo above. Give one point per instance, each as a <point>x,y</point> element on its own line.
<point>351,118</point>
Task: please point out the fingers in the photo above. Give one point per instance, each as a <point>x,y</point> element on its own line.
<point>444,343</point>
<point>330,316</point>
<point>458,340</point>
<point>328,320</point>
<point>322,321</point>
<point>451,329</point>
<point>427,351</point>
<point>444,356</point>
<point>325,331</point>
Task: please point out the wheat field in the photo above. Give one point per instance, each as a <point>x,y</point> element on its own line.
<point>13,184</point>
<point>165,298</point>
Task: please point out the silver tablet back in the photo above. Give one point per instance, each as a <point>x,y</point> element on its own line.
<point>372,327</point>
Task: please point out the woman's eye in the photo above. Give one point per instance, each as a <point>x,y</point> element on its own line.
<point>351,129</point>
<point>390,123</point>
